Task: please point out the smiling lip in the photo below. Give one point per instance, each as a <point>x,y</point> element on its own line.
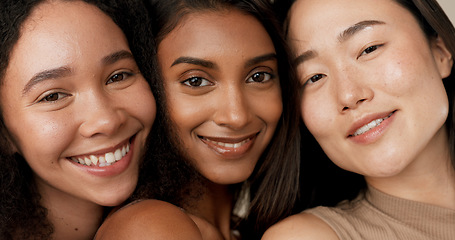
<point>106,162</point>
<point>368,129</point>
<point>230,147</point>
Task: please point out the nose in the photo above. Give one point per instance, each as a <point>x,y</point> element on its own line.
<point>232,108</point>
<point>351,90</point>
<point>101,115</point>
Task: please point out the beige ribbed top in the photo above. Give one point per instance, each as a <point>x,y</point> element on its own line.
<point>376,215</point>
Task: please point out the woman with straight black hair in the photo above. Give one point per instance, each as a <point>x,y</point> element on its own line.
<point>378,88</point>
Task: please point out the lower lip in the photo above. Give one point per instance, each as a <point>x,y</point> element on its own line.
<point>229,152</point>
<point>373,134</point>
<point>111,170</point>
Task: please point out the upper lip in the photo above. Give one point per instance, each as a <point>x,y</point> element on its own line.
<point>106,150</point>
<point>365,120</point>
<point>229,139</point>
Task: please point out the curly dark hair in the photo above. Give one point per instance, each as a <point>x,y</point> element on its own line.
<point>167,173</point>
<point>21,214</point>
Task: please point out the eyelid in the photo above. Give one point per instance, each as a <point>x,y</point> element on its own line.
<point>41,98</point>
<point>194,73</point>
<point>263,69</point>
<point>374,44</point>
<point>125,72</point>
<point>186,82</point>
<point>309,79</point>
<point>271,76</point>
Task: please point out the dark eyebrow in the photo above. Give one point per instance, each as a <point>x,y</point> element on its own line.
<point>65,71</point>
<point>46,75</point>
<point>259,59</point>
<point>194,61</point>
<point>344,36</point>
<point>352,30</point>
<point>304,57</point>
<point>114,57</point>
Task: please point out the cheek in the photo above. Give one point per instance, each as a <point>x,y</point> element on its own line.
<point>187,113</point>
<point>36,135</point>
<point>145,105</point>
<point>392,76</point>
<point>269,107</point>
<point>316,114</point>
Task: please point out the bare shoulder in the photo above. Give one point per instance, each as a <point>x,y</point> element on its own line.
<point>149,219</point>
<point>302,226</point>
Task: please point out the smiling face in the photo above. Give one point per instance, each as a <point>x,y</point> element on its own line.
<point>76,105</point>
<point>221,80</point>
<point>373,95</point>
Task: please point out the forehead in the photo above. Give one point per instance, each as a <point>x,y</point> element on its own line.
<point>68,21</point>
<point>331,17</point>
<point>216,32</point>
<point>61,33</point>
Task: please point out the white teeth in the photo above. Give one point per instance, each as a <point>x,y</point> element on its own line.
<point>94,159</point>
<point>118,154</point>
<point>106,160</point>
<point>87,161</point>
<point>110,158</point>
<point>229,145</point>
<point>370,125</point>
<point>123,151</point>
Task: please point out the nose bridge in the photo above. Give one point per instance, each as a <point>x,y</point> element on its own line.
<point>100,115</point>
<point>232,110</point>
<point>351,88</point>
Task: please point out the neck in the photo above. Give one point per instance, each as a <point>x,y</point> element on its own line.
<point>72,218</point>
<point>430,178</point>
<point>215,208</point>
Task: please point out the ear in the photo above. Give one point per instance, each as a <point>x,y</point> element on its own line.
<point>442,57</point>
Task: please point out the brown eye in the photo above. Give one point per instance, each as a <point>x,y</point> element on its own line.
<point>119,77</point>
<point>53,97</point>
<point>197,82</point>
<point>371,49</point>
<point>260,77</point>
<point>315,78</point>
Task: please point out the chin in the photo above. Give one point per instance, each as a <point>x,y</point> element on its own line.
<point>114,198</point>
<point>231,178</point>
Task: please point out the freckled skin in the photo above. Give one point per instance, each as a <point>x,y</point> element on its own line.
<point>401,75</point>
<point>370,60</point>
<point>78,111</point>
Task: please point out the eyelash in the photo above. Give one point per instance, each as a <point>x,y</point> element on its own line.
<point>313,79</point>
<point>370,49</point>
<point>366,51</point>
<point>123,76</point>
<point>58,94</point>
<point>61,95</point>
<point>266,75</point>
<point>199,80</point>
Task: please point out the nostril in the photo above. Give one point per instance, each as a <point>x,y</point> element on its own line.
<point>361,100</point>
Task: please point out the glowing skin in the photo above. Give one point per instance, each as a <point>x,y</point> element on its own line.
<point>221,80</point>
<point>373,94</point>
<point>73,90</point>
